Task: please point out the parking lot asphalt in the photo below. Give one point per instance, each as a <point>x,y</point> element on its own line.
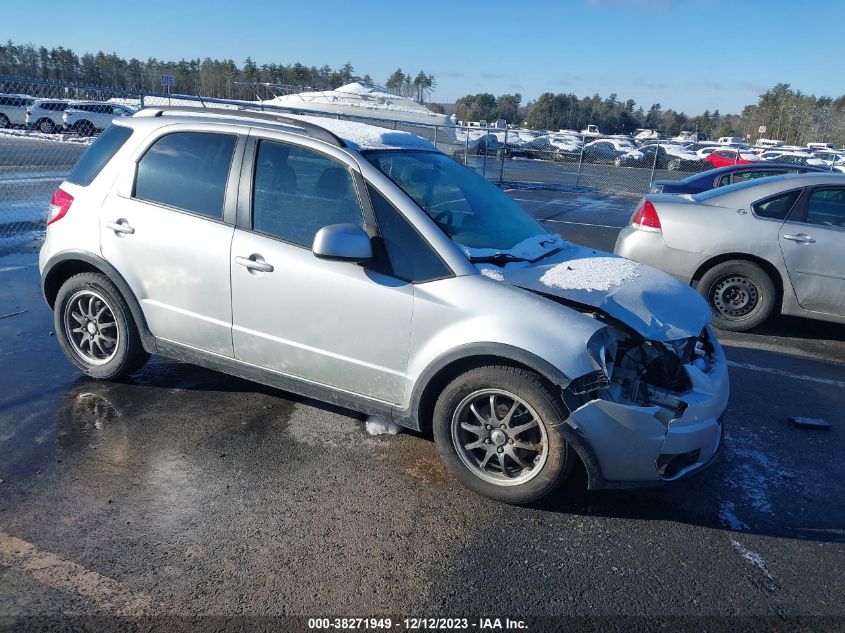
<point>185,492</point>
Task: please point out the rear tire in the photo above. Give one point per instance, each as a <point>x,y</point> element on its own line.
<point>85,128</point>
<point>46,126</point>
<point>4,122</point>
<point>516,455</point>
<point>95,327</point>
<point>740,293</point>
<point>674,164</point>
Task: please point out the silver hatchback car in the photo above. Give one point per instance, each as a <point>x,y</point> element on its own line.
<point>363,267</point>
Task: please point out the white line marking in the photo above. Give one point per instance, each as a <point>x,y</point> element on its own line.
<point>64,575</point>
<point>604,226</point>
<point>788,374</point>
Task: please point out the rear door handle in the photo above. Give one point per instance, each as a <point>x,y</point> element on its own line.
<point>254,262</point>
<point>801,238</point>
<point>120,226</point>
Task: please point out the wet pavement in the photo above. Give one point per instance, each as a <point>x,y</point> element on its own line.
<point>185,492</point>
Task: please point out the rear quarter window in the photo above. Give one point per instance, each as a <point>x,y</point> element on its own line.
<point>101,152</point>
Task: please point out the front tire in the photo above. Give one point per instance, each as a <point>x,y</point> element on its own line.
<point>95,328</point>
<point>4,122</point>
<point>497,430</point>
<point>740,293</point>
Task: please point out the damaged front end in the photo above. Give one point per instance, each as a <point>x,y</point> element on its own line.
<point>652,411</point>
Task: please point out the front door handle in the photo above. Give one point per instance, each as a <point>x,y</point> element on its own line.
<point>120,226</point>
<point>254,262</point>
<point>801,238</point>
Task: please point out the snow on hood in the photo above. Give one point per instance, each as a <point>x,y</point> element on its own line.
<point>362,136</point>
<point>655,304</point>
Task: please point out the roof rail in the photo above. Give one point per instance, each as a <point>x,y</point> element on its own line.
<point>311,129</point>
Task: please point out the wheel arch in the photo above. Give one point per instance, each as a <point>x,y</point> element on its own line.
<point>65,265</point>
<point>777,278</point>
<point>455,362</point>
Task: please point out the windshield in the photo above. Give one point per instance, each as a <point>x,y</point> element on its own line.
<point>469,209</point>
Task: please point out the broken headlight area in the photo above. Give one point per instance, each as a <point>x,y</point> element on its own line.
<point>642,372</point>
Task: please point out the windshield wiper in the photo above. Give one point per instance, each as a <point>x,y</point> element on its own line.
<point>504,258</point>
<point>498,258</point>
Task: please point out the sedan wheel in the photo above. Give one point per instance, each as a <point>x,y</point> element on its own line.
<point>46,126</point>
<point>740,293</point>
<point>674,164</point>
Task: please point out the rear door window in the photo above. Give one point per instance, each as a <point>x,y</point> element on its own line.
<point>188,171</point>
<point>101,152</point>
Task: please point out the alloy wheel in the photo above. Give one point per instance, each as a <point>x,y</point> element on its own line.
<point>91,328</point>
<point>499,437</point>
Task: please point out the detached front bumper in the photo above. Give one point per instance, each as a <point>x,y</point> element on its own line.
<point>634,445</point>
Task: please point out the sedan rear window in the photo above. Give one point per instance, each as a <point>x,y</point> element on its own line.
<point>188,171</point>
<point>101,152</point>
<point>776,207</point>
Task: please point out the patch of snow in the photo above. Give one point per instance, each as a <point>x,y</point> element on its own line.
<point>591,273</point>
<point>529,248</point>
<point>492,274</point>
<point>362,136</point>
<point>55,138</point>
<point>361,99</point>
<point>752,556</point>
<point>376,425</point>
<point>728,516</point>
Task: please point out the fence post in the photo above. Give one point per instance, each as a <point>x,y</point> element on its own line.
<point>466,148</point>
<point>142,99</point>
<point>504,152</point>
<point>484,160</point>
<point>580,162</point>
<point>435,137</point>
<point>653,166</point>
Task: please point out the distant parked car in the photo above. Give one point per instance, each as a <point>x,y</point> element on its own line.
<point>793,158</point>
<point>45,115</point>
<point>730,156</point>
<point>723,176</point>
<point>490,145</point>
<point>668,157</point>
<point>750,249</point>
<point>86,118</point>
<point>607,150</point>
<point>545,148</point>
<point>13,109</point>
<point>832,160</point>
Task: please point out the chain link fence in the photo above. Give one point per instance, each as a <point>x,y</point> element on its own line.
<point>45,126</point>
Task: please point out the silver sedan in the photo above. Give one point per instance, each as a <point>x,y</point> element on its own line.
<point>750,249</point>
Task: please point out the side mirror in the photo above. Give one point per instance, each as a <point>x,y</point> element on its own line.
<point>342,242</point>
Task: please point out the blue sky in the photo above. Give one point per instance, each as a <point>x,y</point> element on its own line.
<point>689,55</point>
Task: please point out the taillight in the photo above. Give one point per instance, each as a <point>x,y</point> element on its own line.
<point>29,113</point>
<point>59,206</point>
<point>646,218</point>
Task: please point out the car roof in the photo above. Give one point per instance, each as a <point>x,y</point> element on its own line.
<point>351,134</point>
<point>771,185</point>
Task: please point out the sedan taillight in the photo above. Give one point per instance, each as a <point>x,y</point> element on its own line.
<point>645,218</point>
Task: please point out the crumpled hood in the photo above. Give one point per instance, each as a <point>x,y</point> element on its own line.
<point>652,302</point>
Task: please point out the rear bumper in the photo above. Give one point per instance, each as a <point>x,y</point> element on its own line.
<point>635,445</point>
<point>649,248</point>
